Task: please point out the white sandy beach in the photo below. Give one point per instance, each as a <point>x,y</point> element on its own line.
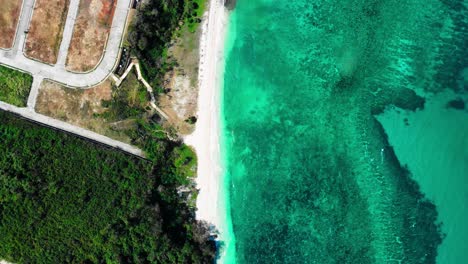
<point>205,138</point>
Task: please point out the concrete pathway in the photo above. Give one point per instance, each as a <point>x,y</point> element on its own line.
<point>67,33</point>
<point>29,114</point>
<point>34,92</point>
<point>15,58</point>
<point>148,87</point>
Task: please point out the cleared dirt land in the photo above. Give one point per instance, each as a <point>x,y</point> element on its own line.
<point>90,34</point>
<point>78,107</point>
<point>45,33</point>
<point>104,109</point>
<point>9,17</point>
<point>180,102</point>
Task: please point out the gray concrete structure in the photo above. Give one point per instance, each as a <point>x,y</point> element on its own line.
<point>34,92</point>
<point>67,33</point>
<point>15,58</point>
<point>27,113</point>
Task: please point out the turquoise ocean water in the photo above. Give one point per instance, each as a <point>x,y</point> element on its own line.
<point>345,131</point>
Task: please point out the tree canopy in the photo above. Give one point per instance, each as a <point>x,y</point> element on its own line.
<point>67,200</point>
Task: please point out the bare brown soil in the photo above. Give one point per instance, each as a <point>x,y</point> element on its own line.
<point>180,103</point>
<point>9,17</point>
<point>90,34</point>
<point>82,108</point>
<point>45,32</point>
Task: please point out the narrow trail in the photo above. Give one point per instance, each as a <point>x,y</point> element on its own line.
<point>32,99</point>
<point>136,64</point>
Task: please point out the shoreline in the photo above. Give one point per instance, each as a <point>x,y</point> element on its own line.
<point>206,137</point>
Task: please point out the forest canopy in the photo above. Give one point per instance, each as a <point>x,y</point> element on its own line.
<point>67,200</point>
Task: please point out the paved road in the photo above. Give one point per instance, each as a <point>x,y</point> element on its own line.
<point>37,80</point>
<point>29,114</point>
<point>25,17</point>
<point>67,33</point>
<point>15,57</point>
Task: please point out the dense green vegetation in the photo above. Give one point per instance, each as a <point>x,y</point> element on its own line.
<point>14,86</point>
<point>153,29</point>
<point>66,200</point>
<point>129,100</point>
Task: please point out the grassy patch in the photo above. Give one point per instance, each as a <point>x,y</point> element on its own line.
<point>14,86</point>
<point>129,100</point>
<point>194,10</point>
<point>185,163</point>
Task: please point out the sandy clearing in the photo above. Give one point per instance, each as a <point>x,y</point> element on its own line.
<point>206,136</point>
<point>82,108</point>
<point>9,17</point>
<point>90,34</point>
<point>46,28</point>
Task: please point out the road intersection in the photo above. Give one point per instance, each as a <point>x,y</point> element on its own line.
<point>16,59</point>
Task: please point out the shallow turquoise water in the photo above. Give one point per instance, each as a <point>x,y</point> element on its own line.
<point>311,175</point>
<point>433,143</point>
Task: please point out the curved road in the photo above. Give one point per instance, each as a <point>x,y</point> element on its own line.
<point>27,113</point>
<point>15,57</point>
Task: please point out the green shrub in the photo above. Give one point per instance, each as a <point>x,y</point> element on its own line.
<point>14,86</point>
<point>67,200</point>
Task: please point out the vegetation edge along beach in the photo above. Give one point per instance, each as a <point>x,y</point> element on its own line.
<point>212,201</point>
<point>97,204</point>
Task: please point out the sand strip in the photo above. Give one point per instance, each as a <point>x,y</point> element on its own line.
<point>205,138</point>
